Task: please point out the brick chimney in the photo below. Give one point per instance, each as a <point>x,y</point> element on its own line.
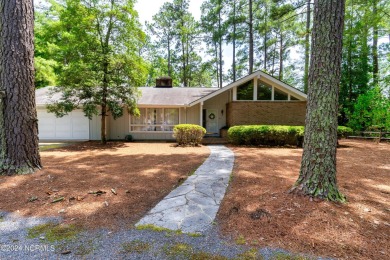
<point>164,82</point>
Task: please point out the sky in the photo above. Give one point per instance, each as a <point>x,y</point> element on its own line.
<point>147,8</point>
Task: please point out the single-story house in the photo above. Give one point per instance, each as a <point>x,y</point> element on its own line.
<point>255,99</point>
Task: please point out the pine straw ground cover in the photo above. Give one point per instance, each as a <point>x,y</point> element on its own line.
<point>257,209</point>
<point>140,174</point>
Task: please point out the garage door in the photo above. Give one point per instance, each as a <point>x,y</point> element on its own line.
<point>74,126</point>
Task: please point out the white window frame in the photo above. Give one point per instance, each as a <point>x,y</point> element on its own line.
<point>147,126</point>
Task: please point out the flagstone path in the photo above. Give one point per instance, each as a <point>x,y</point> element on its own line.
<point>192,206</point>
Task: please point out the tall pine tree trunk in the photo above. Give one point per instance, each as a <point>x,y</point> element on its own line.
<point>307,48</point>
<point>281,50</point>
<point>19,150</point>
<point>169,56</point>
<point>265,37</point>
<point>318,168</point>
<point>375,65</point>
<point>220,45</point>
<point>216,63</point>
<point>250,37</point>
<point>234,41</point>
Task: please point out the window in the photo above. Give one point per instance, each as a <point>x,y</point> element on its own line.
<point>264,91</point>
<point>280,95</point>
<point>155,119</point>
<point>245,91</point>
<point>293,98</point>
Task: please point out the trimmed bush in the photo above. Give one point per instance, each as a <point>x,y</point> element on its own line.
<point>266,135</point>
<point>188,134</point>
<point>274,135</point>
<point>344,132</point>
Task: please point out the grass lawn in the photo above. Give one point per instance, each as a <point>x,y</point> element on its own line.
<point>83,174</point>
<point>257,209</point>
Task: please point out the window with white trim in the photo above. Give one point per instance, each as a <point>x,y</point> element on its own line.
<point>155,119</point>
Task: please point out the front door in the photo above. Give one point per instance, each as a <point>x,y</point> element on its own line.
<point>211,121</point>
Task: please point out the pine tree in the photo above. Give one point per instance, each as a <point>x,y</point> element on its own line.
<point>19,150</point>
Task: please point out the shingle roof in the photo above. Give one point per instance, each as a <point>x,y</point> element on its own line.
<point>172,96</point>
<point>42,96</point>
<point>150,96</point>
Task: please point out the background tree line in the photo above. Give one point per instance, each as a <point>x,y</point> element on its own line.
<point>271,35</point>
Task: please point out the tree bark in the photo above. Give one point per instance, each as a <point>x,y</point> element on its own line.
<point>375,65</point>
<point>19,144</point>
<point>265,37</point>
<point>234,41</point>
<point>250,37</point>
<point>169,56</point>
<point>318,168</point>
<point>216,63</point>
<point>307,47</point>
<point>220,44</point>
<point>281,50</point>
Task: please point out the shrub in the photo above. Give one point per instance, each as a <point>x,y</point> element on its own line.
<point>273,134</point>
<point>187,134</point>
<point>265,135</point>
<point>344,132</point>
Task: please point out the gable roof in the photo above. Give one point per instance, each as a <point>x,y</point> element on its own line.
<point>260,74</point>
<point>150,96</point>
<point>182,96</point>
<point>172,96</point>
<point>44,96</point>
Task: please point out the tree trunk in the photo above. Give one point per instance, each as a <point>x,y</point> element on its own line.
<point>265,38</point>
<point>104,103</point>
<point>169,56</point>
<point>184,63</point>
<point>220,47</point>
<point>216,63</point>
<point>375,65</point>
<point>250,37</point>
<point>19,144</point>
<point>318,168</point>
<point>307,47</point>
<point>234,41</point>
<point>281,50</point>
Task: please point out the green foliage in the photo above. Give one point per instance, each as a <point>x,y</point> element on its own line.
<point>360,53</point>
<point>188,134</point>
<point>344,132</point>
<point>97,51</point>
<point>174,35</point>
<point>371,110</point>
<point>45,72</point>
<point>273,134</point>
<point>266,135</point>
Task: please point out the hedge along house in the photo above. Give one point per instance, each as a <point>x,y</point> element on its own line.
<point>255,99</point>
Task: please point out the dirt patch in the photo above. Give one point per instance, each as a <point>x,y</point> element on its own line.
<point>258,207</point>
<point>87,176</point>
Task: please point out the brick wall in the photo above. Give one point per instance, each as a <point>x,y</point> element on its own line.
<point>266,113</point>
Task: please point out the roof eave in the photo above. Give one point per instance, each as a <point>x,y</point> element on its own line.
<point>258,73</point>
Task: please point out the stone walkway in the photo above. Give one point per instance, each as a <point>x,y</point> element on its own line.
<point>192,206</point>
